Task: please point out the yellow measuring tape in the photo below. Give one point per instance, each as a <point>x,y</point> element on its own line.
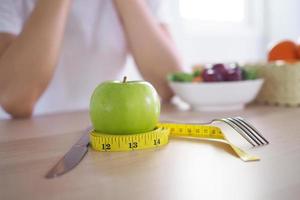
<point>160,137</point>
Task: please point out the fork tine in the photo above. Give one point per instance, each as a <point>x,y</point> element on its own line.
<point>248,131</point>
<point>237,129</point>
<point>253,132</point>
<point>254,129</point>
<point>257,143</point>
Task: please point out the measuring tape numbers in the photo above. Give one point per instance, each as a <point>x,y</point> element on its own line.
<point>160,137</point>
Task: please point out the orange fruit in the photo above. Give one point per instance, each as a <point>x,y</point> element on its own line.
<point>285,50</point>
<point>298,51</point>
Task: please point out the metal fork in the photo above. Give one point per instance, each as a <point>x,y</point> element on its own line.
<point>245,129</point>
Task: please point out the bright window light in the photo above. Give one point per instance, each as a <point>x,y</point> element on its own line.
<point>213,10</point>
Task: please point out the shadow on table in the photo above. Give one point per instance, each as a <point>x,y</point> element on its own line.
<point>220,145</point>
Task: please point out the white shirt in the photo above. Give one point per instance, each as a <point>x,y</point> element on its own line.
<point>94,49</point>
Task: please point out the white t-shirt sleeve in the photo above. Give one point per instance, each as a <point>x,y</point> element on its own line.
<point>160,10</point>
<point>10,19</point>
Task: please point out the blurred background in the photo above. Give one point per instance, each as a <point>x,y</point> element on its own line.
<point>212,31</point>
<point>228,30</point>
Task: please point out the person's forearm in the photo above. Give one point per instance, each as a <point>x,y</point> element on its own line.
<point>152,49</point>
<point>27,65</point>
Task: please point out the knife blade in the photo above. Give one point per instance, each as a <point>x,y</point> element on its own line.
<point>72,157</point>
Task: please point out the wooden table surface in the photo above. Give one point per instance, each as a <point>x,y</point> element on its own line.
<point>184,169</point>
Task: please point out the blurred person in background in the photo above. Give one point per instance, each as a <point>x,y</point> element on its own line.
<point>53,53</point>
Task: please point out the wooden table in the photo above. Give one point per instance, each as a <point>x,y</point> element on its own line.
<point>184,169</point>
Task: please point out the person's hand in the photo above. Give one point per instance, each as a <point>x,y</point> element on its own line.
<point>150,44</point>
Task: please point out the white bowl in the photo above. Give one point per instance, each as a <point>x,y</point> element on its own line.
<point>217,96</point>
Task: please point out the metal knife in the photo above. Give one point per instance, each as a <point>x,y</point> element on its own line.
<point>72,157</point>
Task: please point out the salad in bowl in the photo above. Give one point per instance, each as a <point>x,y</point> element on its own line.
<point>216,87</point>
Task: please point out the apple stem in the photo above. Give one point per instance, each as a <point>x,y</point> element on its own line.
<point>124,79</point>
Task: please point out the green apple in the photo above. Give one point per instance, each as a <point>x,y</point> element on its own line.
<point>124,107</point>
